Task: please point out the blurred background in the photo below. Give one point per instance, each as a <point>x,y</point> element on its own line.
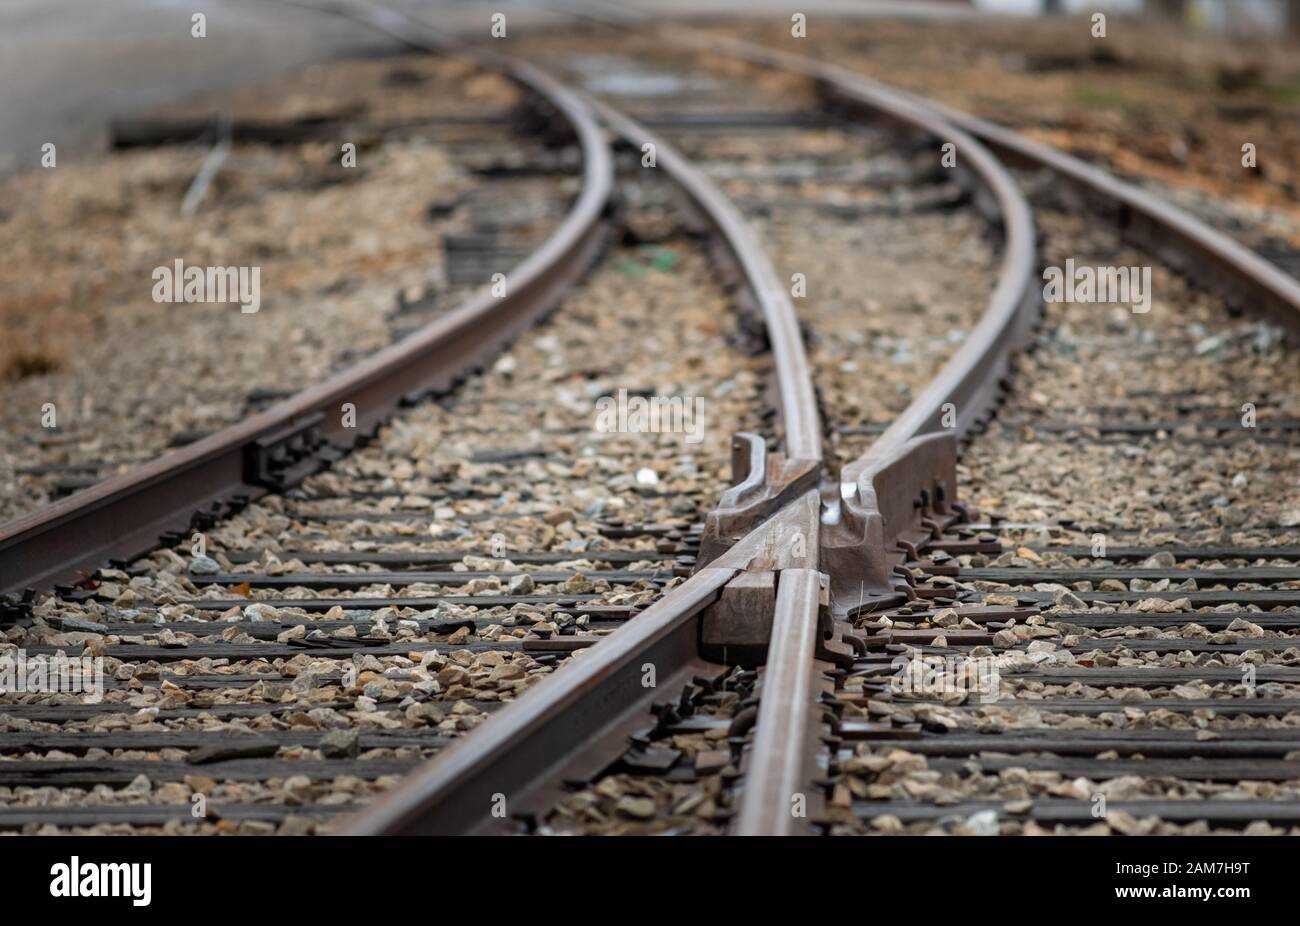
<point>1240,16</point>
<point>64,64</point>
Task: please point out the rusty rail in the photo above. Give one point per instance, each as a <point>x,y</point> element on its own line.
<point>969,380</point>
<point>890,500</point>
<point>780,798</point>
<point>799,417</point>
<point>511,764</point>
<point>876,502</point>
<point>903,489</point>
<point>126,516</point>
<point>557,729</point>
<point>793,377</point>
<point>519,754</point>
<point>565,726</point>
<point>1247,281</point>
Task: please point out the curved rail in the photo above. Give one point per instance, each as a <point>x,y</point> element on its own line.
<point>548,734</point>
<point>852,529</point>
<point>519,753</point>
<point>125,516</point>
<point>793,377</point>
<point>799,416</point>
<point>546,730</point>
<point>968,381</point>
<point>1246,280</point>
<point>908,475</point>
<point>1206,254</point>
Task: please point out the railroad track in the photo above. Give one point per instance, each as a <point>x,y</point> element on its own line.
<point>823,665</point>
<point>477,185</point>
<point>819,737</point>
<point>315,569</point>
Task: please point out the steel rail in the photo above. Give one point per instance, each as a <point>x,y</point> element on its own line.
<point>1243,277</point>
<point>780,767</point>
<point>548,733</point>
<point>968,380</point>
<point>799,417</point>
<point>565,726</point>
<point>883,483</point>
<point>508,765</point>
<point>781,762</point>
<point>514,764</point>
<point>793,376</point>
<point>125,516</point>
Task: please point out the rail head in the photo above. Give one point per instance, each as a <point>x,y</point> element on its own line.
<point>778,790</point>
<point>793,375</point>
